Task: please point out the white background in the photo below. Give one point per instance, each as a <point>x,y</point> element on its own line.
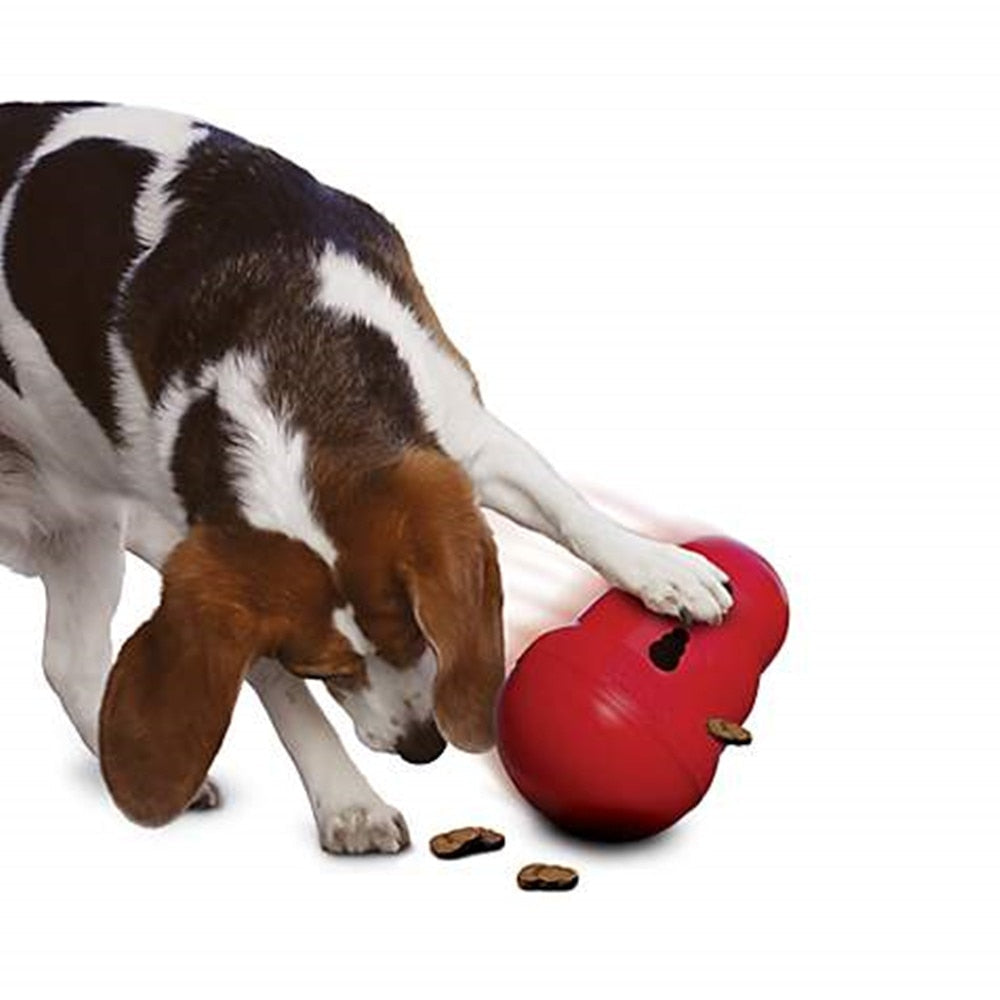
<point>733,261</point>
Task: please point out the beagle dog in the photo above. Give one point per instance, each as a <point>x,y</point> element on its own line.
<point>215,362</point>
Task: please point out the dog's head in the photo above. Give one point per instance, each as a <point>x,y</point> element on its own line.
<point>418,568</point>
<point>405,630</point>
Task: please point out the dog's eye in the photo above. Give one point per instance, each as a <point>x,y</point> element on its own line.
<point>667,651</point>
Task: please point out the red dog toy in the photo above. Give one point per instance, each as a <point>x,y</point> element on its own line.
<point>604,724</point>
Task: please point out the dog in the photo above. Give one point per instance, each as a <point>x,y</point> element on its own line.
<point>213,361</point>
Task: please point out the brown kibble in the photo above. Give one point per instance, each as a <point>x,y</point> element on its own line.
<point>547,878</point>
<point>729,733</point>
<point>468,840</point>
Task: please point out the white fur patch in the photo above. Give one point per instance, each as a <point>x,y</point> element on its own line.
<point>163,132</point>
<point>392,701</point>
<point>144,475</point>
<point>170,140</point>
<point>444,388</point>
<point>345,623</point>
<point>270,457</point>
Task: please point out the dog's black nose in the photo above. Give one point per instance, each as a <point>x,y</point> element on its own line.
<point>421,743</point>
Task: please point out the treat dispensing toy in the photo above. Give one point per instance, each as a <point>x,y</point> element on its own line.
<point>613,726</point>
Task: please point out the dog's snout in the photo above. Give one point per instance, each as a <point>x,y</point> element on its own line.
<point>421,743</point>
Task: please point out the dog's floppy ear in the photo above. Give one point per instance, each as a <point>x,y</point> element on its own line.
<point>229,595</point>
<point>453,582</point>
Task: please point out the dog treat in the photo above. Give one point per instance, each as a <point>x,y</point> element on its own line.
<point>468,840</point>
<point>547,878</point>
<point>729,732</point>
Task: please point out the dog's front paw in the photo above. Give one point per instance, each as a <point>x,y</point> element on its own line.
<point>370,828</point>
<point>675,581</point>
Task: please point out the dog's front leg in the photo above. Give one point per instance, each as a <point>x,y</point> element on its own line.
<point>513,479</point>
<point>351,817</point>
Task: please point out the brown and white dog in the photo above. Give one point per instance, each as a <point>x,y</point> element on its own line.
<point>211,360</point>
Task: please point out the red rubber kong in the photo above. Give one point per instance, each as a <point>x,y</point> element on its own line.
<point>602,724</point>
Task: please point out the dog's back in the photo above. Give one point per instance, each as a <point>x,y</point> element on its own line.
<point>142,252</point>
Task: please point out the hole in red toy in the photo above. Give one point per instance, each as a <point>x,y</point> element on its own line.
<point>667,651</point>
